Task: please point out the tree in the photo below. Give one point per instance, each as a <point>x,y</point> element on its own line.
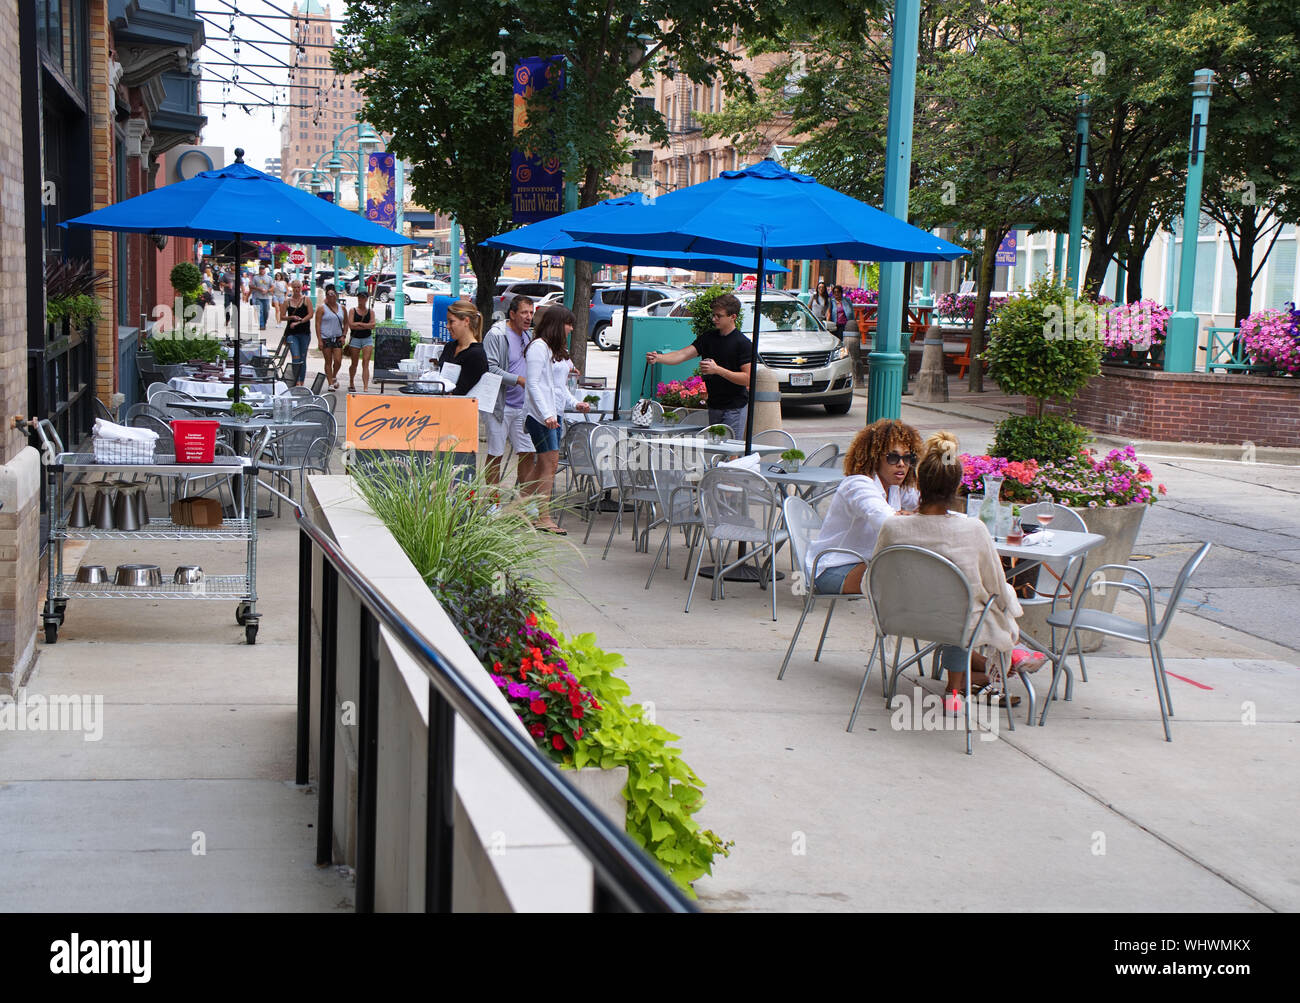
<point>437,78</point>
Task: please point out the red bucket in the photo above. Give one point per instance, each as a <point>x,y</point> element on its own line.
<point>196,440</point>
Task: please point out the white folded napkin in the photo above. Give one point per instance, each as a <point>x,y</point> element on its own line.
<point>750,462</point>
<point>1034,539</point>
<point>105,429</point>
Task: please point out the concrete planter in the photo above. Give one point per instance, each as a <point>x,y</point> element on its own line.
<point>604,788</point>
<point>1120,527</point>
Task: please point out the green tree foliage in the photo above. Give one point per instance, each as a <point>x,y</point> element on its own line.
<point>1046,344</point>
<point>437,79</point>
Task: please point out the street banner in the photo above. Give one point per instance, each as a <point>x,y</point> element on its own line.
<point>1006,253</point>
<point>381,203</point>
<point>328,197</point>
<point>406,423</point>
<point>536,185</point>
<point>441,332</point>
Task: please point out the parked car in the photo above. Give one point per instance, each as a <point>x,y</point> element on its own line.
<point>810,363</point>
<point>606,301</point>
<point>508,289</point>
<point>415,289</point>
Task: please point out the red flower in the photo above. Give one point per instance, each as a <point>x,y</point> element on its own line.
<point>537,731</point>
<point>557,741</point>
<point>577,711</point>
<point>1144,475</point>
<point>538,706</point>
<point>1162,489</point>
<point>577,732</point>
<point>531,620</point>
<point>496,666</point>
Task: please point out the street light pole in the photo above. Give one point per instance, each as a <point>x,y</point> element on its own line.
<point>454,257</point>
<point>1180,342</point>
<point>1076,195</point>
<point>886,375</point>
<point>399,171</point>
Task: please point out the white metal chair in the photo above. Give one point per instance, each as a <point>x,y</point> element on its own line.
<point>741,507</point>
<point>677,508</point>
<point>919,594</point>
<point>802,523</point>
<point>601,445</point>
<point>775,437</point>
<point>576,466</point>
<point>825,455</point>
<point>301,450</point>
<point>1057,579</point>
<point>633,460</point>
<point>1151,632</point>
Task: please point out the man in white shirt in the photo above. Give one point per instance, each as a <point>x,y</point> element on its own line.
<point>504,344</point>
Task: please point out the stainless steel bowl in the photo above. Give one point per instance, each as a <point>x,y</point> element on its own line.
<point>188,574</point>
<point>138,576</point>
<point>92,574</point>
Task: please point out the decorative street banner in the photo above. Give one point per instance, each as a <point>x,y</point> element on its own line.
<point>406,423</point>
<point>381,205</point>
<point>1006,253</point>
<point>328,197</point>
<point>536,186</point>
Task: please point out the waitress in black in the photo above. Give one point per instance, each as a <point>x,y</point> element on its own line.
<point>465,349</point>
<point>297,330</point>
<point>361,344</point>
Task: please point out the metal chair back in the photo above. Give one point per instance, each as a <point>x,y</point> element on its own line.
<point>917,593</point>
<point>802,523</point>
<point>694,419</point>
<point>738,505</point>
<point>603,448</point>
<point>1066,518</point>
<point>576,448</point>
<point>304,392</point>
<point>1176,593</point>
<point>825,455</point>
<point>323,421</point>
<point>775,437</point>
<point>154,410</point>
<point>102,411</point>
<point>166,443</point>
<point>318,384</point>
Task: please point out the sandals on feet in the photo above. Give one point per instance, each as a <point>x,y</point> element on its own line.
<point>1024,662</point>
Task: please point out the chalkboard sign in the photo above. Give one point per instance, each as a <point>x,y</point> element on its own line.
<point>392,344</point>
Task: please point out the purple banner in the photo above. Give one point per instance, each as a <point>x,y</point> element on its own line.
<point>536,185</point>
<point>1006,253</point>
<point>381,204</point>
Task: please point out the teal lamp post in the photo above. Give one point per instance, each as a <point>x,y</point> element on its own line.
<point>1180,341</point>
<point>1076,195</point>
<point>453,258</point>
<point>335,168</point>
<point>888,366</point>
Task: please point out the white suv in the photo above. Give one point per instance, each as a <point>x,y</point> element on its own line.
<point>810,363</point>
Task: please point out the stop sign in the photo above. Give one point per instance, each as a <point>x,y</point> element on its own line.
<point>298,257</point>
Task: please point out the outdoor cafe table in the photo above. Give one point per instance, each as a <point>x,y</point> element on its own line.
<point>203,388</point>
<point>242,428</point>
<point>811,478</point>
<point>1061,545</point>
<point>216,406</point>
<point>627,425</point>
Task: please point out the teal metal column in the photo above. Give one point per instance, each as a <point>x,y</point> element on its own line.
<point>886,375</point>
<point>1076,195</point>
<point>927,277</point>
<point>805,276</point>
<point>1121,280</point>
<point>336,254</point>
<point>1058,257</point>
<point>1180,342</point>
<point>454,257</point>
<point>399,183</point>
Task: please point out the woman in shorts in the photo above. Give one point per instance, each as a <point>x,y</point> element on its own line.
<point>361,327</point>
<point>332,330</point>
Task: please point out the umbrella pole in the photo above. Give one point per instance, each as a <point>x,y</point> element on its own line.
<point>238,291</point>
<point>618,373</point>
<point>753,368</point>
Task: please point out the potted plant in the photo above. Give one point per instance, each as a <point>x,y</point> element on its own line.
<point>717,433</point>
<point>240,411</point>
<point>1136,330</point>
<point>689,394</point>
<point>1272,338</point>
<point>591,399</point>
<point>187,280</point>
<point>72,288</point>
<point>791,459</point>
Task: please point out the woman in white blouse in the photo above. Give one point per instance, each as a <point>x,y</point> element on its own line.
<point>545,399</point>
<point>880,479</point>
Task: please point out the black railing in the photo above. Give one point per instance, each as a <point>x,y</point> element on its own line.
<point>625,878</point>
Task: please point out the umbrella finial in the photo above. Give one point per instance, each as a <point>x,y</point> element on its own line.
<point>239,154</point>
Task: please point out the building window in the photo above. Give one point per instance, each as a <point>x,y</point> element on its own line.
<point>642,163</point>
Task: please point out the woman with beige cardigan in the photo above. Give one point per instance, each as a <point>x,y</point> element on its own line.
<point>965,542</point>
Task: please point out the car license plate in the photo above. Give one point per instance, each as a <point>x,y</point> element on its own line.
<point>801,379</point>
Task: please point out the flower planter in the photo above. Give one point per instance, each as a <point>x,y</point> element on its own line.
<point>1120,526</point>
<point>604,788</point>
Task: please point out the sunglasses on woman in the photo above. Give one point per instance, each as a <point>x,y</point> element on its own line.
<point>894,459</point>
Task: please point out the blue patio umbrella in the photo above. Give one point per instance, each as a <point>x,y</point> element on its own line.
<point>238,203</point>
<point>550,237</point>
<point>760,211</point>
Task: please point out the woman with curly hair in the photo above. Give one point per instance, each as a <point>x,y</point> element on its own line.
<point>879,480</point>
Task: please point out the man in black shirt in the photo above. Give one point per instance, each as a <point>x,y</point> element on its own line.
<point>725,359</point>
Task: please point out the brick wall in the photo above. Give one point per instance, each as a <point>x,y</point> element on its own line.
<point>1189,407</point>
<point>19,463</point>
<point>104,187</point>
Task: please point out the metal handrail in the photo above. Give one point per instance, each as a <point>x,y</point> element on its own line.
<point>625,875</point>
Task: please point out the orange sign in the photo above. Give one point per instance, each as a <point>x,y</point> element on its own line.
<point>412,422</point>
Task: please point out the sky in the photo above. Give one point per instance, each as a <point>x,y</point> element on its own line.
<point>260,46</point>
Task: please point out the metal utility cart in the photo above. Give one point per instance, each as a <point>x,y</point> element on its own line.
<point>243,529</point>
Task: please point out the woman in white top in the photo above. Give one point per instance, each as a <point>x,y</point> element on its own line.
<point>820,304</point>
<point>880,479</point>
<point>332,330</point>
<point>965,542</point>
<point>543,405</point>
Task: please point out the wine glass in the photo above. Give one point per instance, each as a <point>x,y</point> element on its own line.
<point>1045,517</point>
